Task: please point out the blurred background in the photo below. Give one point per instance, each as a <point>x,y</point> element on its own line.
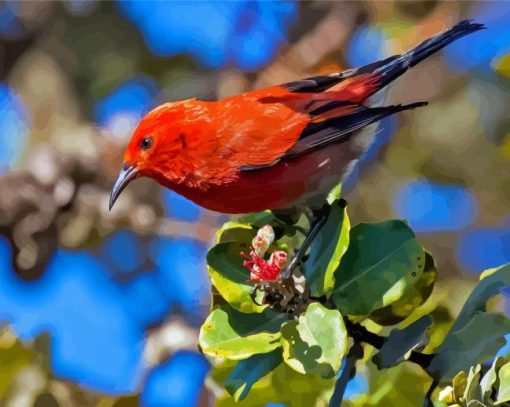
<point>101,308</point>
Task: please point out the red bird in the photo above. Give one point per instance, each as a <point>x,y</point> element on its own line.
<point>277,147</point>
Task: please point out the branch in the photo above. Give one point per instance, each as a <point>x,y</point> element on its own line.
<point>361,334</point>
<point>428,397</point>
<point>348,372</point>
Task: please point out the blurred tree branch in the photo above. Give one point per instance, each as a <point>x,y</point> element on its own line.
<point>348,372</point>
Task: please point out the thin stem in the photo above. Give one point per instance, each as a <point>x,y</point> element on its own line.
<point>348,372</point>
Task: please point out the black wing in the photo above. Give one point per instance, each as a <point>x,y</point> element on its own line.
<point>339,129</point>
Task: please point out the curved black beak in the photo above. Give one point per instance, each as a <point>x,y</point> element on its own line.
<point>126,175</point>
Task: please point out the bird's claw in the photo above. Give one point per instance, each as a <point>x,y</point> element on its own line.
<point>272,296</point>
<point>253,294</point>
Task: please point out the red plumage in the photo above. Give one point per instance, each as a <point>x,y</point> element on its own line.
<point>271,148</point>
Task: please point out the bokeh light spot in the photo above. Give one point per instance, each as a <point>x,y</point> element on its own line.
<point>94,340</point>
<point>122,251</point>
<point>178,382</point>
<point>178,207</point>
<point>479,49</point>
<point>14,123</point>
<point>246,33</point>
<point>484,248</point>
<point>433,207</point>
<point>181,264</point>
<point>366,46</point>
<point>144,298</point>
<point>121,110</point>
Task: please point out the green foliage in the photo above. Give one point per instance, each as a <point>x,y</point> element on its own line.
<point>248,371</point>
<point>503,394</point>
<point>382,262</point>
<point>489,381</point>
<point>357,283</point>
<point>316,342</point>
<point>403,385</point>
<point>281,385</point>
<point>327,250</point>
<point>477,341</point>
<point>26,378</point>
<point>400,342</point>
<point>491,283</point>
<point>225,266</point>
<point>234,335</point>
<point>476,335</point>
<point>415,296</point>
<point>477,388</point>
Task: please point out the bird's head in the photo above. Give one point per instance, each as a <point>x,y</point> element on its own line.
<point>153,146</point>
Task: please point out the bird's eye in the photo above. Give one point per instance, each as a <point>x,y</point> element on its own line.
<point>146,143</point>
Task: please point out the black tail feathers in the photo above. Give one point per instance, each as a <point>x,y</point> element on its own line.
<point>393,67</point>
<point>389,68</point>
<point>434,44</point>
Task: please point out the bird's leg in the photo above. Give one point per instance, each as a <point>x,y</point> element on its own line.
<point>319,218</point>
<point>253,293</point>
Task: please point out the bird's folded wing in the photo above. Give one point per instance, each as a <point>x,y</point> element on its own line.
<point>321,132</point>
<point>338,129</point>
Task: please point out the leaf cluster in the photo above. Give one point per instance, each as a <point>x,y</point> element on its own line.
<point>364,285</point>
<point>480,387</point>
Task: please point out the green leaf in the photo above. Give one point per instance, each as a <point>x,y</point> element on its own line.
<point>248,371</point>
<point>490,378</point>
<point>327,250</point>
<point>476,341</point>
<point>414,297</point>
<point>282,385</point>
<point>400,342</point>
<point>401,386</point>
<point>504,384</point>
<point>472,391</point>
<point>382,262</point>
<point>334,194</point>
<point>229,276</point>
<point>491,282</point>
<point>259,219</point>
<point>316,343</point>
<point>234,335</point>
<point>459,383</point>
<point>475,403</point>
<point>475,336</point>
<point>235,231</point>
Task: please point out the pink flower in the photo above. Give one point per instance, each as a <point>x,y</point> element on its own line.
<point>259,268</point>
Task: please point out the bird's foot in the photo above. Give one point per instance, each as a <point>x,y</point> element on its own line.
<point>279,295</point>
<point>319,218</point>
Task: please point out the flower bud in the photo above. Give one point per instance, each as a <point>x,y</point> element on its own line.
<point>278,258</point>
<point>446,395</point>
<point>263,240</point>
